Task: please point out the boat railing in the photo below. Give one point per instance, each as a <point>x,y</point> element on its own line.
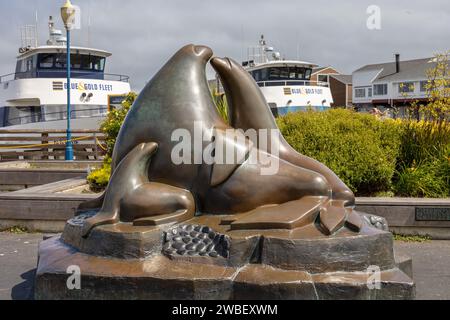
<point>62,75</point>
<point>287,83</point>
<point>56,116</point>
<point>7,77</point>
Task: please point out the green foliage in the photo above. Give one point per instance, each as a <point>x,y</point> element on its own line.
<point>403,238</point>
<point>16,230</point>
<point>359,148</point>
<point>114,120</point>
<point>99,179</point>
<point>423,168</point>
<point>376,157</point>
<point>429,180</point>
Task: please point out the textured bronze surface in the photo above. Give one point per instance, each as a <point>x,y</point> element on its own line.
<point>178,97</point>
<point>131,196</point>
<point>289,215</point>
<point>248,109</point>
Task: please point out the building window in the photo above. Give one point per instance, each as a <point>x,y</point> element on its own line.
<point>369,92</point>
<point>323,78</point>
<point>423,86</point>
<point>360,93</point>
<point>380,89</point>
<point>406,87</point>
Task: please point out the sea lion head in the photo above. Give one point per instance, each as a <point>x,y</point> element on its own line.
<point>248,108</point>
<point>177,97</point>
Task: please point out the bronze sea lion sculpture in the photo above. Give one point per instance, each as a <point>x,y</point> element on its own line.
<point>248,109</point>
<point>131,197</point>
<point>178,97</point>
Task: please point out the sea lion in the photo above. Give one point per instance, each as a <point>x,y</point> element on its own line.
<point>249,109</point>
<point>178,97</point>
<point>131,197</point>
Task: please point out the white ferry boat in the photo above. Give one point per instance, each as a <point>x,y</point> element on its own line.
<point>286,84</point>
<point>35,95</point>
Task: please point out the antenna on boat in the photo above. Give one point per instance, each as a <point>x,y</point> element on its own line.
<point>37,29</point>
<point>89,26</point>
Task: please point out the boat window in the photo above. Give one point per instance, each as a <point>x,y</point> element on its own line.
<point>289,73</point>
<point>274,73</point>
<point>257,75</point>
<point>2,116</point>
<point>284,73</point>
<point>59,112</point>
<point>22,115</point>
<point>264,74</point>
<point>61,61</point>
<point>77,61</point>
<point>98,63</point>
<point>46,60</point>
<point>308,74</point>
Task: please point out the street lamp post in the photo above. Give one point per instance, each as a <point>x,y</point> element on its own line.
<point>68,16</point>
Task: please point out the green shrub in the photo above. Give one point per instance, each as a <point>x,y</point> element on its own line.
<point>424,141</point>
<point>423,181</point>
<point>98,180</point>
<point>359,148</point>
<point>423,167</point>
<point>114,120</point>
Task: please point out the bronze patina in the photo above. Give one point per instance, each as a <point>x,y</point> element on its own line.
<point>179,97</point>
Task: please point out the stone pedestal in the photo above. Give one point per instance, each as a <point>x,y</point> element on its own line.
<point>204,258</point>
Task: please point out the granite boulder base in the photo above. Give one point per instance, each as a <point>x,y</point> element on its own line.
<point>205,259</point>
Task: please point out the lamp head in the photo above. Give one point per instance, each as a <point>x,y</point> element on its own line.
<point>68,15</point>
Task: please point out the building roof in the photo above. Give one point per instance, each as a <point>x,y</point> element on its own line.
<point>410,69</point>
<point>344,78</point>
<point>319,69</point>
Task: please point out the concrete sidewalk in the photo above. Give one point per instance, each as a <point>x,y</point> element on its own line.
<point>18,258</point>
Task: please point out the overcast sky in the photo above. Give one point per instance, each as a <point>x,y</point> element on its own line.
<point>143,34</point>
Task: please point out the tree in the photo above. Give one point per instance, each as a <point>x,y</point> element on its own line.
<point>438,89</point>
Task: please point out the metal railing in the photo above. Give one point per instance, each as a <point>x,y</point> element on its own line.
<point>60,74</point>
<point>4,78</point>
<point>56,116</point>
<point>287,83</point>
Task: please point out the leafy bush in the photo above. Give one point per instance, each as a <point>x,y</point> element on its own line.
<point>427,180</point>
<point>114,120</point>
<point>99,179</point>
<point>359,148</point>
<point>376,157</point>
<point>423,168</point>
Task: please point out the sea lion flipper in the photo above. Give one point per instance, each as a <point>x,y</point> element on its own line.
<point>102,218</point>
<point>90,205</point>
<point>130,174</point>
